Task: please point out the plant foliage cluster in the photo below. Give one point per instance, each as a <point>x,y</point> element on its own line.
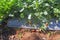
<point>40,10</point>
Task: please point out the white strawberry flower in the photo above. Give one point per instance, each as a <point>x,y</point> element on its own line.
<point>11,15</point>
<point>51,22</point>
<point>21,9</point>
<point>29,16</point>
<point>56,21</point>
<point>45,12</point>
<point>46,4</point>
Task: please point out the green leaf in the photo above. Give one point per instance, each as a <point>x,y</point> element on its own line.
<point>22,15</point>
<point>56,10</point>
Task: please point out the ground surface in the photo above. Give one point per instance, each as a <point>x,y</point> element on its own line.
<point>49,35</point>
<point>40,36</point>
<point>28,35</point>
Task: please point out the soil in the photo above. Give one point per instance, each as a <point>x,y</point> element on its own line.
<point>33,35</point>
<point>39,36</point>
<point>28,35</point>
